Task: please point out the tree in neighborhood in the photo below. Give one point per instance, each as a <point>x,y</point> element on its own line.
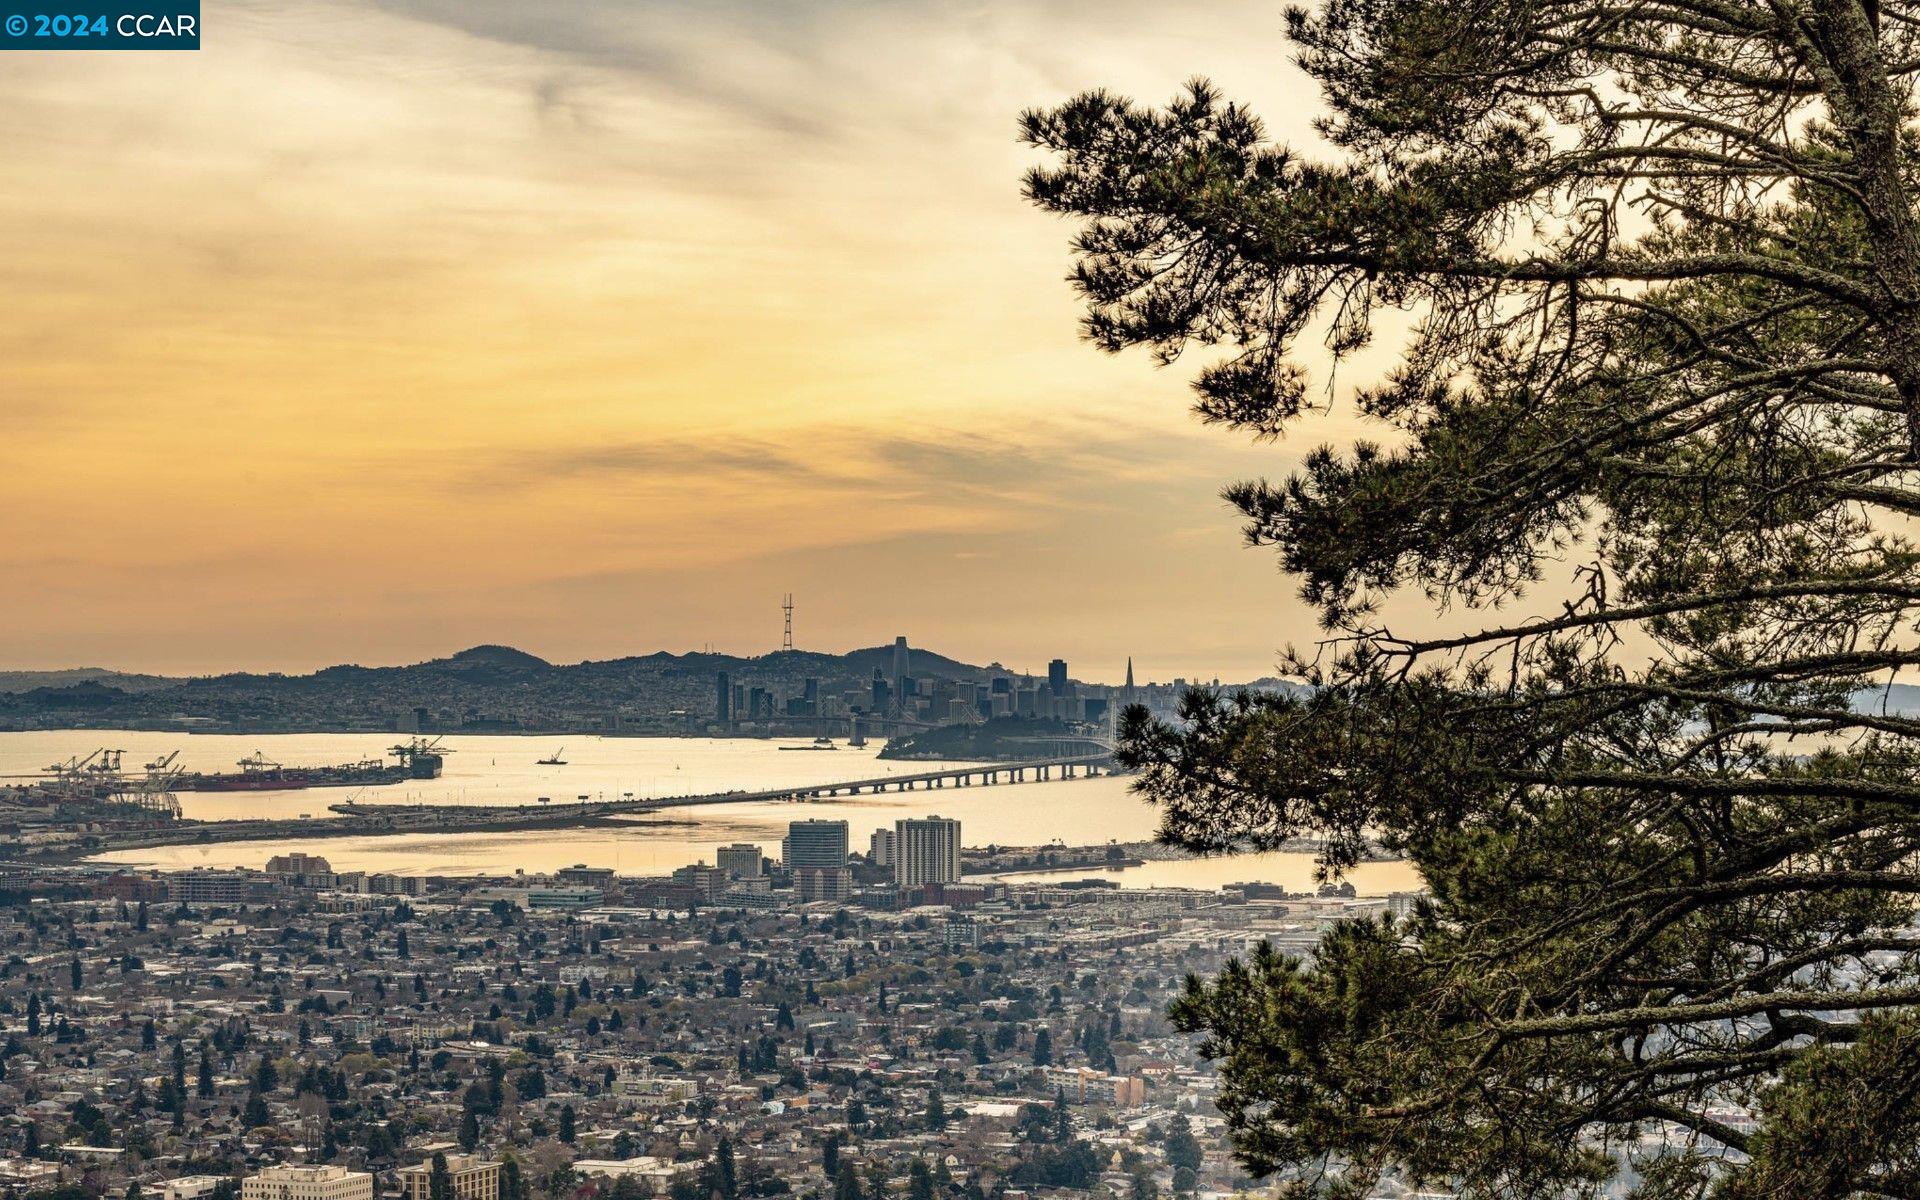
<point>566,1124</point>
<point>1658,272</point>
<point>1182,1148</point>
<point>726,1178</point>
<point>846,1182</point>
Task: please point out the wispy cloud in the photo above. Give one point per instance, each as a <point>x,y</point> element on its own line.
<point>584,324</point>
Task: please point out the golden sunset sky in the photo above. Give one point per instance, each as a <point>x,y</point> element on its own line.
<point>373,331</point>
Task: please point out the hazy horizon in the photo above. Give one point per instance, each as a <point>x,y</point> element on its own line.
<point>1142,676</point>
<point>437,326</point>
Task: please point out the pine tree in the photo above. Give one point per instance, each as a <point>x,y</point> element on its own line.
<point>1654,278</point>
<point>1182,1148</point>
<point>846,1183</point>
<point>728,1183</point>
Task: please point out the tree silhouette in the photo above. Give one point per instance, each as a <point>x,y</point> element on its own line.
<point>1661,269</point>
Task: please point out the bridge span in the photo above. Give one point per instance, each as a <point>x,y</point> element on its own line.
<point>984,775</point>
<point>495,816</point>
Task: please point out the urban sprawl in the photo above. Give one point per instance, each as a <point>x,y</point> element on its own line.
<point>853,1023</point>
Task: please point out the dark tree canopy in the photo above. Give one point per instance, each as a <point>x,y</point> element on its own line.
<point>1659,403</point>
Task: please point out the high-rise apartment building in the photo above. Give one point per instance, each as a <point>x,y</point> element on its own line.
<point>723,698</point>
<point>926,850</point>
<point>815,844</point>
<point>739,861</point>
<point>880,848</point>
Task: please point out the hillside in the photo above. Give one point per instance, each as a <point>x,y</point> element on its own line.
<point>29,681</point>
<point>484,688</point>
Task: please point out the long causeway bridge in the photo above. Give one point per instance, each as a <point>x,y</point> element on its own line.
<point>376,818</point>
<point>1063,767</point>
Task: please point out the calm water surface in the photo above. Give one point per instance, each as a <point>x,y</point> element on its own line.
<point>503,770</point>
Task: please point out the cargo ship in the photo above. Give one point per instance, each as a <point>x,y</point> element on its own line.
<point>258,773</point>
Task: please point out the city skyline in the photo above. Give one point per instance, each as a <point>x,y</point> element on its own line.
<point>600,340</point>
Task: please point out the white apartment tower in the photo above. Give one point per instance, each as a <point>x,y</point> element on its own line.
<point>926,850</point>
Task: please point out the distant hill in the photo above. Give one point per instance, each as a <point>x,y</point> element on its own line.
<point>492,688</point>
<point>27,681</point>
<point>484,689</point>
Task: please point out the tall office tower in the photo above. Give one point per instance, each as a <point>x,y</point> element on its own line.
<point>815,844</point>
<point>1057,676</point>
<point>880,848</point>
<point>899,665</point>
<point>723,698</point>
<point>1126,696</point>
<point>926,850</point>
<point>738,861</point>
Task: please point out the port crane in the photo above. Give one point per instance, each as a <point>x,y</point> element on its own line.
<point>420,757</point>
<point>99,778</point>
<point>154,790</point>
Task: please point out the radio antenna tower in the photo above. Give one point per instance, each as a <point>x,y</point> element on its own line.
<point>786,609</point>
